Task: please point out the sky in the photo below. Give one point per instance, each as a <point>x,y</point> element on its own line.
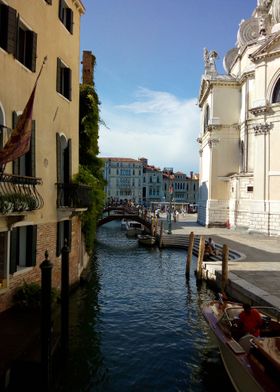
<point>149,64</point>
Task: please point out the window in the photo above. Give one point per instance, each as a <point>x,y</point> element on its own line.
<point>23,248</point>
<point>63,80</point>
<point>3,259</point>
<point>250,188</point>
<point>65,14</point>
<point>276,92</point>
<point>64,232</point>
<point>48,1</point>
<point>26,47</point>
<point>16,38</point>
<point>25,165</point>
<point>8,28</point>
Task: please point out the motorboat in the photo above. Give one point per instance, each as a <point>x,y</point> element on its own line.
<point>133,228</point>
<point>252,363</point>
<point>123,223</point>
<point>146,239</point>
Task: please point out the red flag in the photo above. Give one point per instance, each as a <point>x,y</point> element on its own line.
<point>19,142</point>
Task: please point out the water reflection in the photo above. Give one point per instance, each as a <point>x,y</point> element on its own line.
<point>137,325</point>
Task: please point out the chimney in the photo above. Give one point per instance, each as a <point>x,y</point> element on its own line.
<point>88,67</point>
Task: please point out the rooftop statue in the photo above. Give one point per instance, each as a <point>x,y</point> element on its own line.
<point>210,61</point>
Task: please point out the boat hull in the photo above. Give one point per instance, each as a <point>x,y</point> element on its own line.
<point>242,356</point>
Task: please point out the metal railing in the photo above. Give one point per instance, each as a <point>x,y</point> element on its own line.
<point>70,195</point>
<point>19,194</point>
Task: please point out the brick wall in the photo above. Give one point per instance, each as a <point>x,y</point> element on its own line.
<point>46,240</point>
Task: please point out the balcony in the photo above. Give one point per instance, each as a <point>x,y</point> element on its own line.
<point>73,196</point>
<point>18,194</point>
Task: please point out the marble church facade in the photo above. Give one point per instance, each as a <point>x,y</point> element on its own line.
<point>240,129</point>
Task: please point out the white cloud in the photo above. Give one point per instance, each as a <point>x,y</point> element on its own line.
<point>157,125</point>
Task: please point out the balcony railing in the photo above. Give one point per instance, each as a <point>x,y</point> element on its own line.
<point>73,195</point>
<point>18,194</point>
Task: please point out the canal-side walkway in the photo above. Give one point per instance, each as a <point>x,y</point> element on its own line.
<point>255,275</point>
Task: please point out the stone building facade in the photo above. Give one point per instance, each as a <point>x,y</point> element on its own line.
<point>40,207</point>
<point>124,179</point>
<point>240,128</point>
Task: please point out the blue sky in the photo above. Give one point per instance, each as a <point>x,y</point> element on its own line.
<point>149,57</point>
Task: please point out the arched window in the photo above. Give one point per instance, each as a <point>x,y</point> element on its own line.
<point>276,92</point>
<point>206,118</point>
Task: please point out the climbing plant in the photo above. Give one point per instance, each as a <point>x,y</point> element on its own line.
<point>90,171</point>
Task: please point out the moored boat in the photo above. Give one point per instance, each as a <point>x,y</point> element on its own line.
<point>146,239</point>
<point>133,228</point>
<point>252,363</point>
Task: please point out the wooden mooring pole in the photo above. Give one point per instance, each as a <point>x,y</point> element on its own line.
<point>200,258</point>
<point>189,255</point>
<point>160,235</point>
<point>224,268</point>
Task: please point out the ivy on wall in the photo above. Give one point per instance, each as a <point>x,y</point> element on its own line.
<point>91,166</point>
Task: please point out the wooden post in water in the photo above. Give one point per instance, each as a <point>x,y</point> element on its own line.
<point>156,227</point>
<point>160,235</point>
<point>224,268</point>
<point>189,255</point>
<point>200,258</point>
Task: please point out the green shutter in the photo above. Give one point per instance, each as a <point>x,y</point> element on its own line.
<point>31,48</point>
<point>13,250</point>
<point>59,234</point>
<point>58,158</point>
<point>58,75</point>
<point>70,158</point>
<point>69,20</point>
<point>31,250</point>
<point>12,26</point>
<point>68,232</point>
<point>68,83</point>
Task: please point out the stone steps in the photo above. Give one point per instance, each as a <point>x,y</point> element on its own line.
<point>182,242</point>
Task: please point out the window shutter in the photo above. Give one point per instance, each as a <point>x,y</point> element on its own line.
<point>70,158</point>
<point>31,250</point>
<point>31,48</point>
<point>68,82</point>
<point>69,20</point>
<point>68,233</point>
<point>58,158</point>
<point>32,150</point>
<point>12,23</point>
<point>60,9</point>
<point>58,238</point>
<point>13,250</point>
<point>58,76</point>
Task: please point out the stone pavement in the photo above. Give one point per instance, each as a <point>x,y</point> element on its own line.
<point>255,276</point>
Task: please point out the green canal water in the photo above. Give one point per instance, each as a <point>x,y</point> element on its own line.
<point>137,324</point>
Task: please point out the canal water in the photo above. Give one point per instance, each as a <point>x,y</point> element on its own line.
<point>137,325</point>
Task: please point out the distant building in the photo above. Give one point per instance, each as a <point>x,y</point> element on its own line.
<point>124,179</point>
<point>152,185</point>
<point>240,129</point>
